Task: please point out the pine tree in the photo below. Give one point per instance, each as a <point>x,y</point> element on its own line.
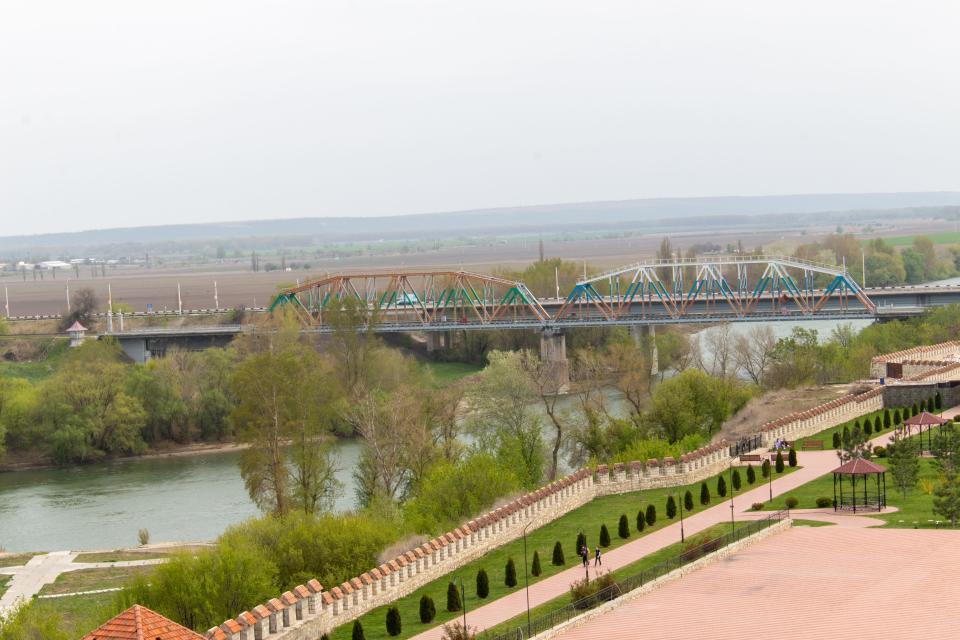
<point>938,401</point>
<point>671,508</point>
<point>623,527</point>
<point>903,463</point>
<point>535,569</point>
<point>688,501</point>
<point>856,424</point>
<point>765,469</point>
<point>877,424</point>
<point>581,542</point>
<point>704,494</point>
<point>735,481</point>
<point>946,497</point>
<point>510,574</point>
<point>751,474</point>
<point>867,427</point>
<point>483,582</point>
<point>651,515</point>
<point>721,487</point>
<point>604,536</point>
<point>897,418</point>
<point>393,621</point>
<point>792,457</point>
<point>558,559</point>
<point>779,463</point>
<point>836,440</point>
<point>358,631</point>
<point>453,598</point>
<point>914,410</point>
<point>641,522</point>
<point>428,610</point>
<point>887,419</point>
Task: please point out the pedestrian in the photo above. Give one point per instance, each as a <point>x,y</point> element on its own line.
<point>586,555</point>
<point>596,560</point>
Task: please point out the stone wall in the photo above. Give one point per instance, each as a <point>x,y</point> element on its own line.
<point>806,423</point>
<point>943,351</point>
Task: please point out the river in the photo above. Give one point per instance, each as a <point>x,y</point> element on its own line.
<point>189,498</point>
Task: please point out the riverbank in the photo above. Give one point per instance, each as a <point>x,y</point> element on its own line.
<point>171,451</point>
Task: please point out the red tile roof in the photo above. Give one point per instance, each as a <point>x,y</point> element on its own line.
<point>140,623</point>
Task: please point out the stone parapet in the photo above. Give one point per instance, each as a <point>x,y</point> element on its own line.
<point>808,422</point>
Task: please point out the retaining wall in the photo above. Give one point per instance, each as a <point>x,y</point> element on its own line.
<point>944,351</point>
<point>806,423</point>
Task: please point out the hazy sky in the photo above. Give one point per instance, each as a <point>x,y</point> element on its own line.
<point>127,113</point>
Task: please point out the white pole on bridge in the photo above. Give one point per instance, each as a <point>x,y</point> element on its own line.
<point>68,298</point>
<point>179,301</point>
<point>109,308</point>
<point>6,296</point>
<point>216,297</point>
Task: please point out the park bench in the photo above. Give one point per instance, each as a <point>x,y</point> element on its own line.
<point>811,444</point>
<point>751,458</point>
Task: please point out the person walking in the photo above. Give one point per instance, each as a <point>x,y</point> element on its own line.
<point>596,559</point>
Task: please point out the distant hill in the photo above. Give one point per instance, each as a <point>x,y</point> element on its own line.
<point>658,213</point>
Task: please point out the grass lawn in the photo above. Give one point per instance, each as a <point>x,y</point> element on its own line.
<point>447,372</point>
<point>827,434</point>
<point>588,518</point>
<point>914,511</point>
<point>119,556</point>
<point>79,614</point>
<point>800,522</point>
<point>93,579</point>
<point>940,237</point>
<point>40,369</point>
<point>4,581</point>
<point>16,560</point>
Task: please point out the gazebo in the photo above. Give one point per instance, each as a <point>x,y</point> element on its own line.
<point>76,331</point>
<point>865,498</point>
<point>921,420</point>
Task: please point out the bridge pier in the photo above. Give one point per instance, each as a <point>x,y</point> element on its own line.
<point>645,337</point>
<point>553,352</point>
<point>434,343</point>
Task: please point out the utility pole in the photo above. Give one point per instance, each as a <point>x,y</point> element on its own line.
<point>179,301</point>
<point>68,297</point>
<point>216,297</point>
<point>526,579</point>
<point>863,266</point>
<point>6,296</point>
<point>733,524</point>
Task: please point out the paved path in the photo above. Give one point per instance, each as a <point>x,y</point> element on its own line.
<point>806,583</point>
<point>41,570</point>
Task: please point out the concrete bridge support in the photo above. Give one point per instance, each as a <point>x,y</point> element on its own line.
<point>645,337</point>
<point>434,342</point>
<point>553,352</point>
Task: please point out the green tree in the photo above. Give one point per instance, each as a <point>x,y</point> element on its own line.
<point>604,536</point>
<point>721,486</point>
<point>694,403</point>
<point>877,424</point>
<point>623,527</point>
<point>751,474</point>
<point>581,542</point>
<point>28,622</point>
<point>765,469</point>
<point>887,419</point>
<point>671,507</point>
<point>453,598</point>
<point>779,462</point>
<point>897,419</point>
<point>946,497</point>
<point>867,427</point>
<point>483,582</point>
<point>704,494</point>
<point>904,463</point>
<point>792,457</point>
<point>641,521</point>
<point>558,560</point>
<point>510,573</point>
<point>688,500</point>
<point>651,515</point>
<point>836,440</point>
<point>915,409</point>
<point>535,569</point>
<point>938,402</point>
<point>428,610</point>
<point>394,625</point>
<point>735,480</point>
<point>357,633</point>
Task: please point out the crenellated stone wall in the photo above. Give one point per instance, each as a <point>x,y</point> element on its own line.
<point>806,423</point>
<point>935,352</point>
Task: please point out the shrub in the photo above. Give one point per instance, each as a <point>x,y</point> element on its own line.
<point>144,537</point>
<point>751,474</point>
<point>856,425</point>
<point>877,424</point>
<point>428,610</point>
<point>757,506</point>
<point>483,583</point>
<point>581,542</point>
<point>846,433</point>
<point>456,631</point>
<point>779,465</point>
<point>792,502</point>
<point>535,569</point>
<point>887,420</point>
<point>765,469</point>
<point>393,621</point>
<point>558,559</point>
<point>938,401</point>
<point>867,428</point>
<point>823,502</point>
<point>651,515</point>
<point>735,480</point>
<point>623,527</point>
<point>914,410</point>
<point>510,574</point>
<point>325,637</point>
<point>357,631</point>
<point>836,440</point>
<point>453,598</point>
<point>721,486</point>
<point>897,419</point>
<point>880,452</point>
<point>688,501</point>
<point>704,494</point>
<point>792,457</point>
<point>604,536</point>
<point>585,594</point>
<point>641,522</point>
<point>671,507</point>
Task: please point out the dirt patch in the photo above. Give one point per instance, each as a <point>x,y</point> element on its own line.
<point>776,404</point>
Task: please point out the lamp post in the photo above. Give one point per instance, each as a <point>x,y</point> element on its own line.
<point>526,579</point>
<point>463,602</point>
<point>770,479</point>
<point>586,562</point>
<point>681,520</point>
<point>733,526</point>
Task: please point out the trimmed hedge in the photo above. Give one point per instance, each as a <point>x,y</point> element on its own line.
<point>721,486</point>
<point>357,633</point>
<point>779,465</point>
<point>558,559</point>
<point>623,527</point>
<point>428,610</point>
<point>688,501</point>
<point>751,474</point>
<point>671,508</point>
<point>641,521</point>
<point>792,457</point>
<point>651,515</point>
<point>483,583</point>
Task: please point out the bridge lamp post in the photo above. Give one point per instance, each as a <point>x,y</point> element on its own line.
<point>680,500</point>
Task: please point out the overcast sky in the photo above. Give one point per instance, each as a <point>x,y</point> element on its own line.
<point>127,113</point>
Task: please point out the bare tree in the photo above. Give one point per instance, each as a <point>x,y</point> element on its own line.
<point>630,368</point>
<point>547,386</point>
<point>719,342</point>
<point>753,352</point>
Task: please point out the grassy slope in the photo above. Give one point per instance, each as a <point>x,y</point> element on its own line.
<point>16,559</point>
<point>38,370</point>
<point>118,556</point>
<point>79,614</point>
<point>447,372</point>
<point>603,510</point>
<point>93,579</point>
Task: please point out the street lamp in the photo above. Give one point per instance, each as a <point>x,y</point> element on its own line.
<point>583,558</point>
<point>770,478</point>
<point>733,526</point>
<point>526,579</point>
<point>463,602</point>
<point>681,520</point>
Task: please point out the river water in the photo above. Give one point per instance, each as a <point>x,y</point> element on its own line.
<point>190,498</point>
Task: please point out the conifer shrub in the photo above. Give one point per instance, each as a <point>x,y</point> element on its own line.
<point>671,508</point>
<point>623,527</point>
<point>897,418</point>
<point>604,536</point>
<point>393,621</point>
<point>765,469</point>
<point>846,433</point>
<point>836,440</point>
<point>792,458</point>
<point>558,559</point>
<point>824,502</point>
<point>688,501</point>
<point>721,486</point>
<point>581,542</point>
<point>510,573</point>
<point>428,610</point>
<point>735,480</point>
<point>877,424</point>
<point>483,583</point>
<point>704,494</point>
<point>325,637</point>
<point>856,424</point>
<point>651,515</point>
<point>914,410</point>
<point>779,463</point>
<point>453,598</point>
<point>751,474</point>
<point>938,401</point>
<point>867,428</point>
<point>535,569</point>
<point>641,521</point>
<point>357,631</point>
<point>887,419</point>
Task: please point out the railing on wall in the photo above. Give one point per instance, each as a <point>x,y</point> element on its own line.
<point>621,587</point>
<point>746,445</point>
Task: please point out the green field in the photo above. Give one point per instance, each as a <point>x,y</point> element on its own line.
<point>40,368</point>
<point>447,372</point>
<point>119,556</point>
<point>588,518</point>
<point>79,614</point>
<point>94,579</point>
<point>940,237</point>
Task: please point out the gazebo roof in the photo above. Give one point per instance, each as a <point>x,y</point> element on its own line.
<point>859,466</point>
<point>76,326</point>
<point>924,419</point>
